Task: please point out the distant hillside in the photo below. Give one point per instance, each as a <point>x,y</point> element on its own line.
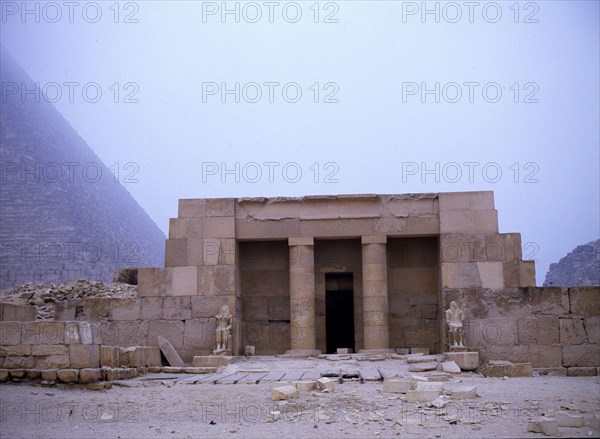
<point>581,267</point>
<point>62,214</point>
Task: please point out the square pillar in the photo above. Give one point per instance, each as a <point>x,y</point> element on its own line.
<point>375,294</point>
<point>303,335</point>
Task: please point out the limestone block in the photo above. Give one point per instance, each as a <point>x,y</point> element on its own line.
<point>220,207</point>
<point>499,369</point>
<point>223,227</point>
<point>581,355</point>
<point>4,375</point>
<point>18,363</point>
<point>84,356</point>
<point>170,353</point>
<point>460,275</point>
<point>68,375</point>
<point>572,331</point>
<point>59,361</point>
<point>33,374</point>
<point>81,333</point>
<point>573,420</point>
<point>192,208</point>
<point>224,278</point>
<point>462,247</point>
<point>463,392</point>
<point>464,360</point>
<point>585,300</point>
<point>421,358</point>
<point>545,356</point>
<point>514,353</point>
<point>283,393</point>
<point>305,385</point>
<point>212,360</point>
<point>154,282</point>
<point>512,274</point>
<point>527,273</point>
<point>209,306</point>
<point>10,333</point>
<point>450,367</point>
<point>95,308</point>
<point>256,308</point>
<point>592,328</point>
<point>421,395</point>
<point>17,373</point>
<point>49,375</point>
<point>109,356</point>
<point>549,300</point>
<point>396,385</point>
<point>181,228</point>
<point>125,309</point>
<point>552,371</point>
<point>436,386</point>
<point>151,308</point>
<point>199,334</point>
<point>16,313</point>
<point>458,221</point>
<point>491,274</point>
<point>326,384</point>
<point>89,375</point>
<point>581,371</point>
<point>43,333</point>
<point>184,281</point>
<point>253,229</point>
<point>419,350</point>
<point>422,367</point>
<point>16,351</point>
<point>476,200</point>
<point>176,252</point>
<point>279,308</point>
<point>274,384</point>
<point>595,423</point>
<point>545,425</point>
<point>152,355</point>
<point>173,369</point>
<point>250,351</point>
<point>177,308</point>
<point>538,330</point>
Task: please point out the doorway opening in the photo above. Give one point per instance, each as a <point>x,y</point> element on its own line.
<point>339,312</point>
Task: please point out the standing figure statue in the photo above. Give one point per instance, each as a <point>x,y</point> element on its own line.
<point>454,319</point>
<point>224,319</point>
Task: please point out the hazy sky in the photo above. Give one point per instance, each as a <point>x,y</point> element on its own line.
<point>334,97</point>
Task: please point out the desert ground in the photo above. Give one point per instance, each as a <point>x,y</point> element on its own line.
<point>182,406</point>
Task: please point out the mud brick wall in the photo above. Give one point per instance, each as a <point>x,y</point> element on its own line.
<point>554,328</point>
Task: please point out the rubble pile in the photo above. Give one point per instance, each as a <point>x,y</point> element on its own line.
<point>44,296</point>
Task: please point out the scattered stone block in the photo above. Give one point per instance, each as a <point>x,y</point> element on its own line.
<point>283,393</point>
<point>305,385</point>
<point>465,360</point>
<point>343,351</point>
<point>212,360</point>
<point>326,384</point>
<point>89,375</point>
<point>396,385</point>
<point>68,375</point>
<point>570,419</point>
<point>545,425</point>
<point>499,369</point>
<point>450,367</point>
<point>422,367</point>
<point>421,395</point>
<point>171,354</point>
<point>463,392</point>
<point>250,351</point>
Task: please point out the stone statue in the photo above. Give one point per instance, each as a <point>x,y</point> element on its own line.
<point>224,319</point>
<point>454,320</point>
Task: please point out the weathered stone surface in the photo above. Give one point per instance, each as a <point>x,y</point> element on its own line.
<point>450,367</point>
<point>212,360</point>
<point>396,385</point>
<point>545,425</point>
<point>172,330</point>
<point>283,393</point>
<point>18,363</point>
<point>170,353</point>
<point>33,374</point>
<point>421,359</point>
<point>538,330</point>
<point>151,308</point>
<point>462,392</point>
<point>16,313</point>
<point>68,375</point>
<point>581,371</point>
<point>84,356</point>
<point>43,333</point>
<point>53,361</point>
<point>585,300</point>
<point>4,375</point>
<point>592,328</point>
<point>549,300</point>
<point>125,309</point>
<point>581,355</point>
<point>81,333</point>
<point>573,420</point>
<point>49,375</point>
<point>464,360</point>
<point>500,369</point>
<point>10,333</point>
<point>89,375</point>
<point>326,384</point>
<point>305,385</point>
<point>421,395</point>
<point>422,367</point>
<point>177,308</point>
<point>18,373</point>
<point>545,356</point>
<point>15,351</point>
<point>572,331</point>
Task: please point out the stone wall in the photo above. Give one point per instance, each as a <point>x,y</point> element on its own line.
<point>557,329</point>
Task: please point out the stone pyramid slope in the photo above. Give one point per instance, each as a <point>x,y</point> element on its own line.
<point>62,214</point>
<point>581,267</point>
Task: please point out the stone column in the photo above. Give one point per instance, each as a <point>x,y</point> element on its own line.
<point>375,293</point>
<point>302,297</point>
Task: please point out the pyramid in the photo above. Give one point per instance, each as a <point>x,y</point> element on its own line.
<point>62,214</point>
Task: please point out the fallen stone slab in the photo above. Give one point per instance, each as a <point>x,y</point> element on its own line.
<point>326,384</point>
<point>370,374</point>
<point>283,393</point>
<point>462,392</point>
<point>464,360</point>
<point>200,370</point>
<point>169,352</point>
<point>424,351</point>
<point>422,367</point>
<point>450,367</point>
<point>427,386</point>
<point>499,369</point>
<point>570,420</point>
<point>305,385</point>
<point>545,425</point>
<point>421,358</point>
<point>421,395</point>
<point>397,385</point>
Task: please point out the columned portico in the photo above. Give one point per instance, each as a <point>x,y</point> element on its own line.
<point>375,293</point>
<point>302,297</point>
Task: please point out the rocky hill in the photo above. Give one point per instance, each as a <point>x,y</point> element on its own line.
<point>63,215</point>
<point>581,267</point>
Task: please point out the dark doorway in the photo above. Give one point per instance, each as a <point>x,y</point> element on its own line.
<point>339,311</point>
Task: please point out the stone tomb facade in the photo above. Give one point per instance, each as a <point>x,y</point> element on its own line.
<point>317,273</point>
